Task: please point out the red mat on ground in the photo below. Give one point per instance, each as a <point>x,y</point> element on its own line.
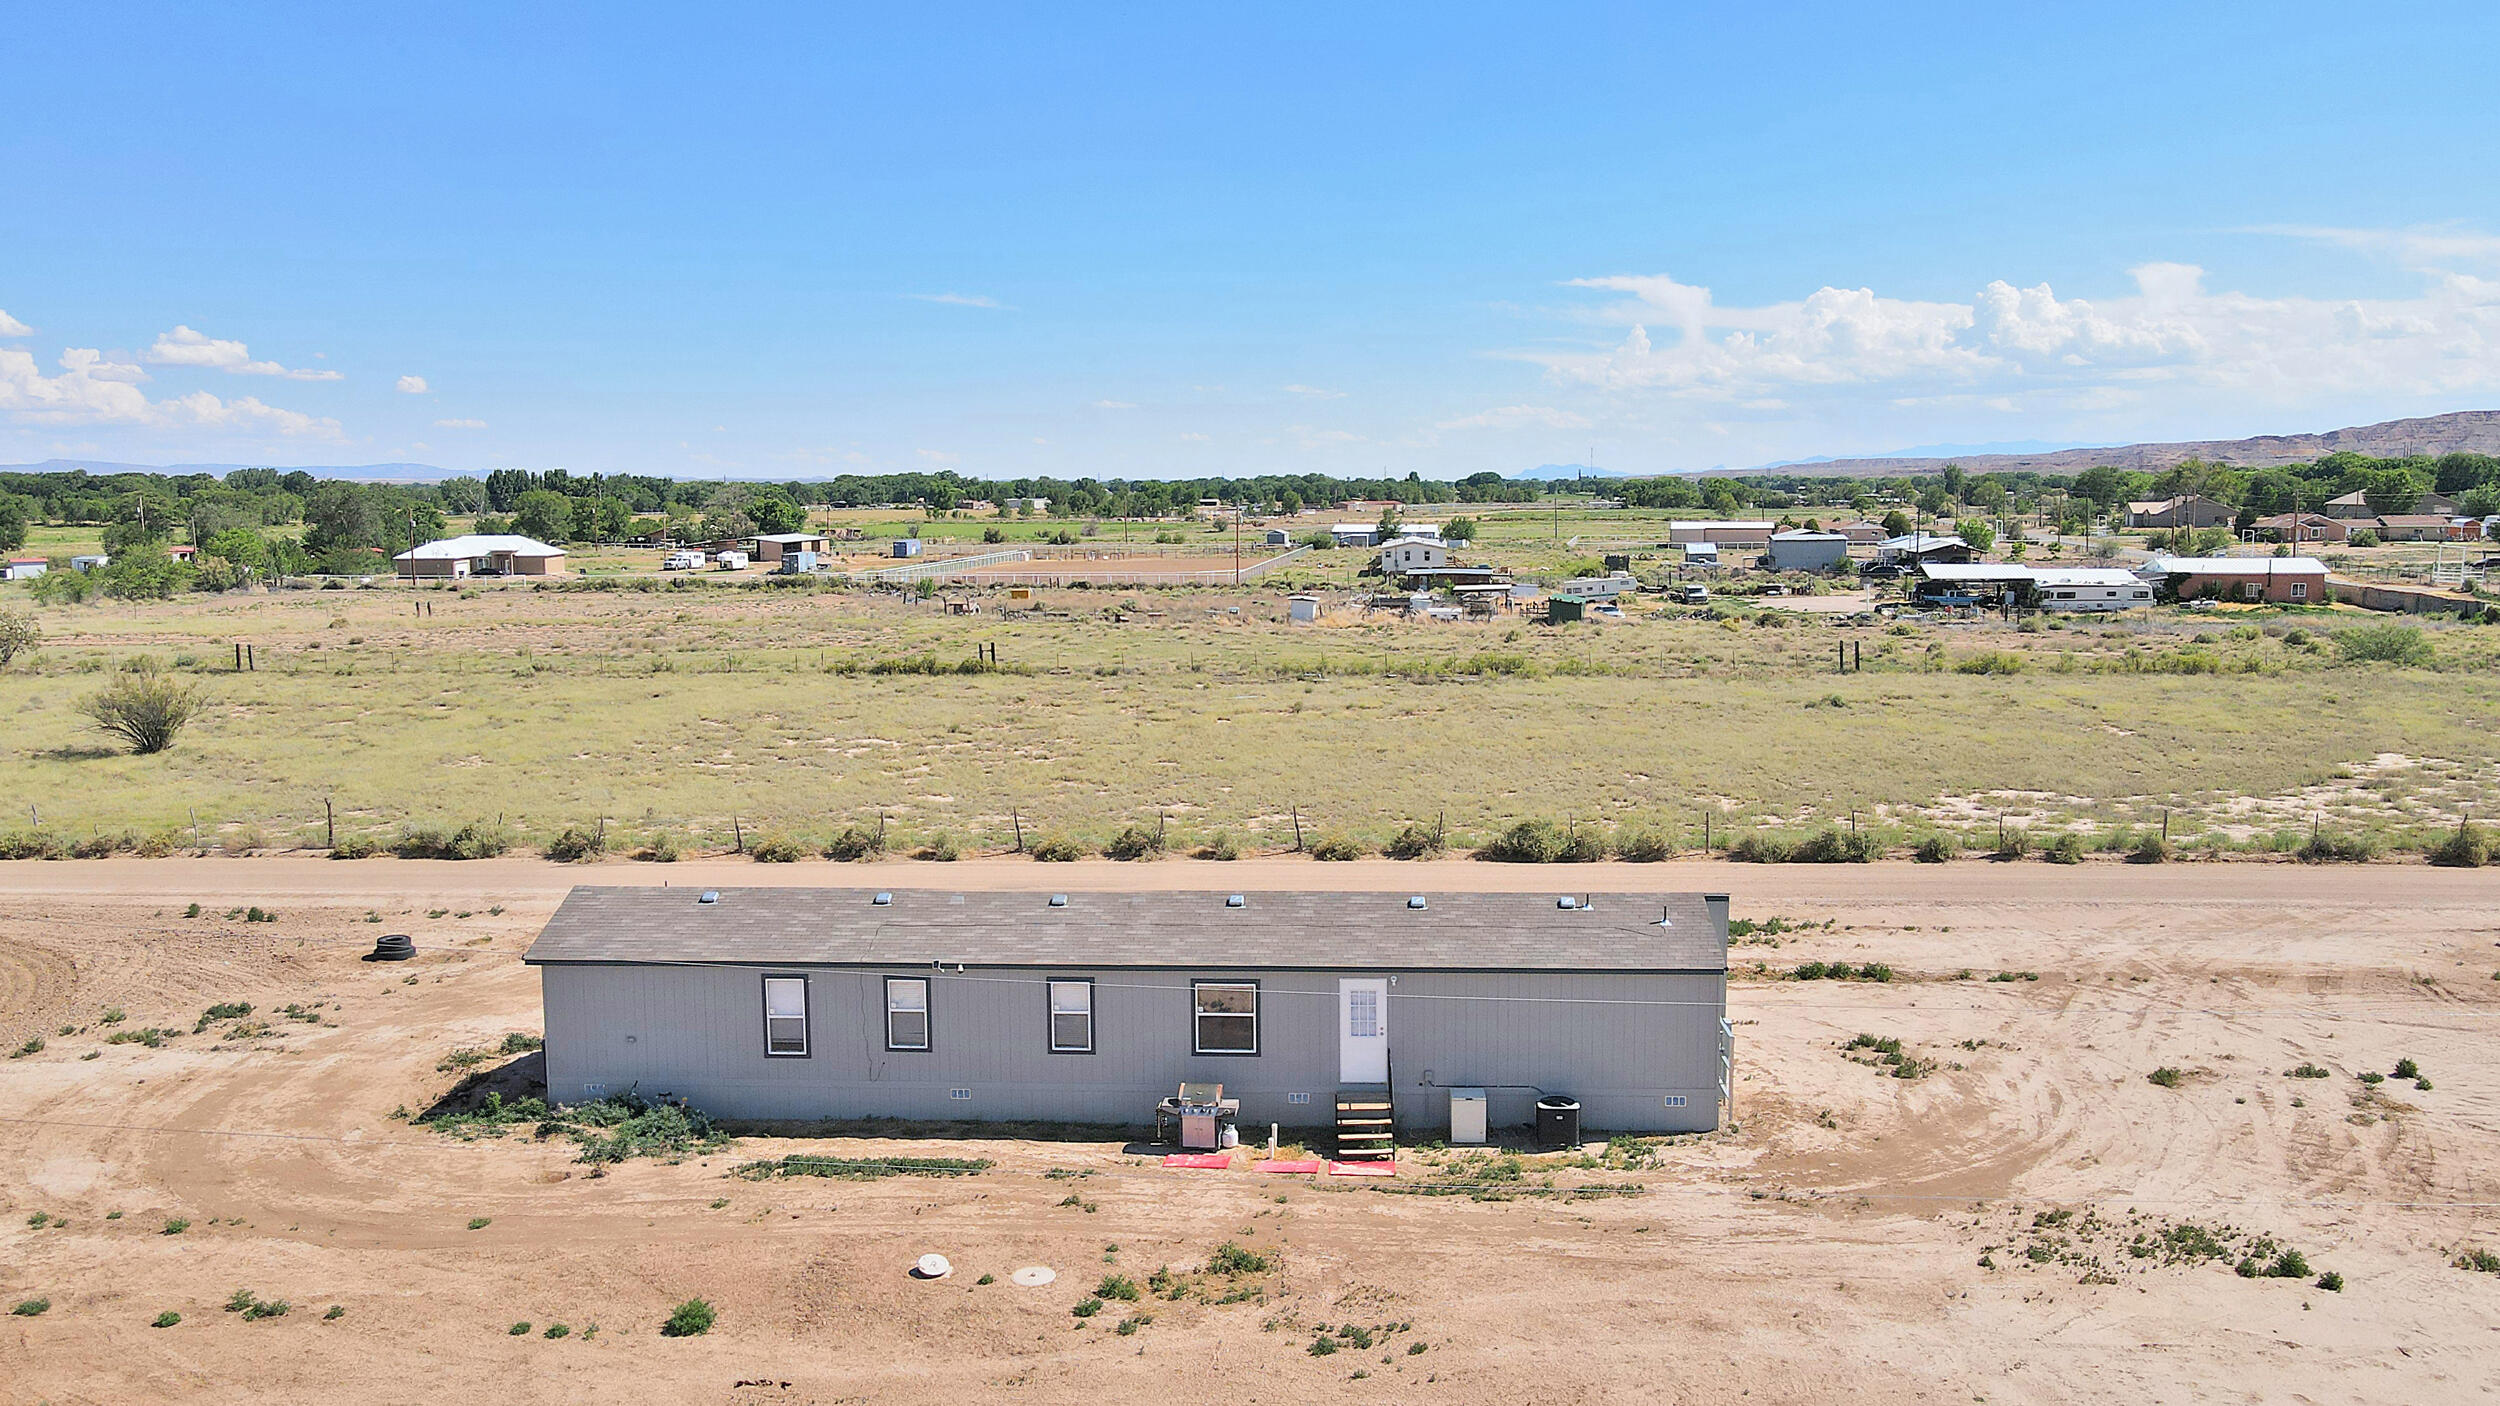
<point>1362,1169</point>
<point>1199,1161</point>
<point>1280,1165</point>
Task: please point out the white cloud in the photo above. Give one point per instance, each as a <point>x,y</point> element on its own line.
<point>246,413</point>
<point>412,385</point>
<point>1193,437</point>
<point>2418,247</point>
<point>11,327</point>
<point>1317,392</point>
<point>958,300</point>
<point>1515,417</point>
<point>184,347</point>
<point>1115,405</point>
<point>2172,345</point>
<point>460,424</point>
<point>93,391</point>
<point>936,456</point>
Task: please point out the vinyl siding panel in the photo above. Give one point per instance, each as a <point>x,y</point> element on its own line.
<point>1618,1042</point>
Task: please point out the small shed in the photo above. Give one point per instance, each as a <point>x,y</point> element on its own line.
<point>1563,610</point>
<point>773,546</point>
<point>23,568</point>
<point>1276,537</point>
<point>1302,610</point>
<point>906,546</point>
<point>1806,551</point>
<point>90,563</point>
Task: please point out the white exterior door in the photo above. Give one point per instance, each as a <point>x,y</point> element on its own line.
<point>1363,1030</point>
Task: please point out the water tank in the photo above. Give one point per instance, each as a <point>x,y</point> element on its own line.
<point>1557,1123</point>
<point>1467,1117</point>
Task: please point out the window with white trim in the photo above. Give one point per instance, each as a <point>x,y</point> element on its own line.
<point>785,1016</point>
<point>1227,1014</point>
<point>1072,1017</point>
<point>2300,590</point>
<point>907,1013</point>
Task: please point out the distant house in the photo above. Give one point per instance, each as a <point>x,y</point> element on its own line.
<point>906,546</point>
<point>2088,588</point>
<point>1806,551</point>
<point>90,563</point>
<point>2428,527</point>
<point>1276,537</point>
<point>2277,580</point>
<point>1912,548</point>
<point>23,568</point>
<point>1726,532</point>
<point>1859,534</point>
<point>1589,588</point>
<point>2305,527</point>
<point>1403,555</point>
<point>184,553</point>
<point>2356,504</point>
<point>1355,534</point>
<point>773,546</point>
<point>2186,510</point>
<point>491,554</point>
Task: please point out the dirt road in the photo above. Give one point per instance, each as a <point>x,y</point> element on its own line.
<point>2022,1222</point>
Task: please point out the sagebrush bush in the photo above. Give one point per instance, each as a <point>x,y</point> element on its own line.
<point>2064,849</point>
<point>1413,842</point>
<point>1938,848</point>
<point>1338,848</point>
<point>1134,843</point>
<point>2385,644</point>
<point>856,842</point>
<point>575,845</point>
<point>778,849</point>
<point>2323,848</point>
<point>2465,849</point>
<point>1644,846</point>
<point>143,707</point>
<point>1058,849</point>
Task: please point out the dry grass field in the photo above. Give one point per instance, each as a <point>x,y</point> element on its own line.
<point>710,710</point>
<point>2031,1219</point>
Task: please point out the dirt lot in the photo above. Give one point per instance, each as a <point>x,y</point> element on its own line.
<point>1960,1236</point>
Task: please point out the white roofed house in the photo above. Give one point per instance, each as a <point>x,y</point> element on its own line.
<point>1403,555</point>
<point>491,554</point>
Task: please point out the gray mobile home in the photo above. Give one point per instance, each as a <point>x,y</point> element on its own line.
<point>1091,1007</point>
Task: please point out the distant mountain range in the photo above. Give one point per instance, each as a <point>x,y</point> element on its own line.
<point>2473,431</point>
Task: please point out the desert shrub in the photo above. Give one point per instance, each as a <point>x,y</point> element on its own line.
<point>2013,843</point>
<point>1413,842</point>
<point>2308,1071</point>
<point>19,634</point>
<point>1644,846</point>
<point>33,1046</point>
<point>575,845</point>
<point>1087,1307</point>
<point>1224,847</point>
<point>31,844</point>
<point>2065,849</point>
<point>777,849</point>
<point>1338,848</point>
<point>356,847</point>
<point>1815,971</point>
<point>2332,1282</point>
<point>941,849</point>
<point>1759,847</point>
<point>2168,1076</point>
<point>1938,848</point>
<point>2323,848</point>
<point>626,1125</point>
<point>2384,644</point>
<point>2151,849</point>
<point>475,840</point>
<point>2466,849</point>
<point>1231,1260</point>
<point>1833,845</point>
<point>691,1319</point>
<point>32,1308</point>
<point>1135,842</point>
<point>1527,842</point>
<point>1118,1286</point>
<point>1989,661</point>
<point>143,707</point>
<point>2479,1261</point>
<point>856,842</point>
<point>166,1319</point>
<point>1058,849</point>
<point>659,849</point>
<point>2407,1069</point>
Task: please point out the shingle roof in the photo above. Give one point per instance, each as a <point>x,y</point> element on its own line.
<point>1312,931</point>
<point>475,545</point>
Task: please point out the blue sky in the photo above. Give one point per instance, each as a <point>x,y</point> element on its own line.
<point>794,241</point>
